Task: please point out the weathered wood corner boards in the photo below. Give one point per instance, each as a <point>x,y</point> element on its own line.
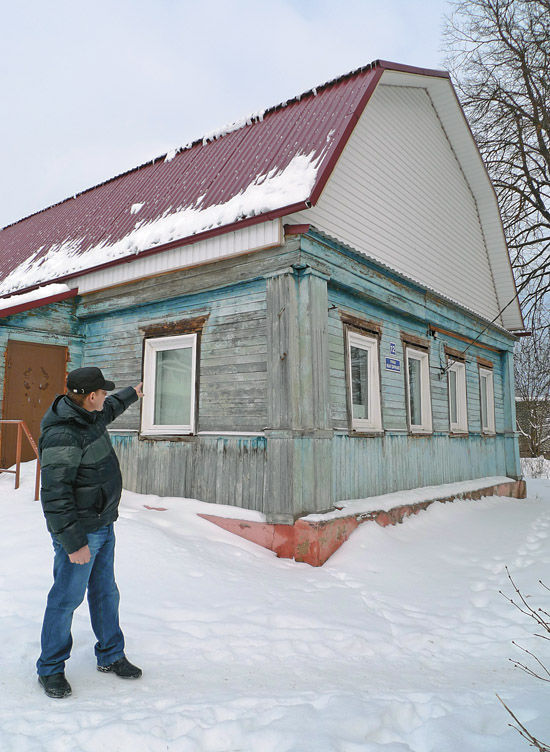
<point>336,347</point>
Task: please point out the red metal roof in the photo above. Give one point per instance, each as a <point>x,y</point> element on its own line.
<point>317,123</point>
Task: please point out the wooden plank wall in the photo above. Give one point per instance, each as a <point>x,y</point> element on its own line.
<point>396,460</point>
<point>393,384</point>
<point>365,467</point>
<point>218,469</point>
<point>299,435</point>
<point>260,329</point>
<point>231,294</point>
<point>232,383</point>
<point>240,358</point>
<point>232,369</point>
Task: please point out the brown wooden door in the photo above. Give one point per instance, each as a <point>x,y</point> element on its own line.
<point>35,373</point>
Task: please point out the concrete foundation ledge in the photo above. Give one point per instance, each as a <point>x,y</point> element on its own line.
<point>314,538</point>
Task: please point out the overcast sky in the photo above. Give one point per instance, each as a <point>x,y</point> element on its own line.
<point>90,90</point>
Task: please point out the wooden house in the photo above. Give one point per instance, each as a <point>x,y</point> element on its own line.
<point>319,300</point>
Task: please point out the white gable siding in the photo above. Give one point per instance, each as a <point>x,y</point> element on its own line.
<point>398,194</point>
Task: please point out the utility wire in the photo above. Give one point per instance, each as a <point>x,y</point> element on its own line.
<point>444,370</point>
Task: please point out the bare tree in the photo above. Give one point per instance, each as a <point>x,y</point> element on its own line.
<point>539,671</point>
<point>532,376</point>
<point>499,55</point>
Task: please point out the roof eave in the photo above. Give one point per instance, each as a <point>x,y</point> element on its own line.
<point>38,303</point>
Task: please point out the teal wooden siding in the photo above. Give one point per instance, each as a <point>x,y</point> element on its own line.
<point>393,325</point>
<point>260,372</point>
<point>381,464</point>
<point>218,469</point>
<point>371,466</point>
<point>272,363</point>
<point>232,368</point>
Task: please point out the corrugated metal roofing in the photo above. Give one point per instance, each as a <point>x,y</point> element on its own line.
<point>204,175</point>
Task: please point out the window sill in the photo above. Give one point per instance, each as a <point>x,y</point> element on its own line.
<point>362,433</point>
<point>166,431</point>
<point>166,436</point>
<point>459,435</point>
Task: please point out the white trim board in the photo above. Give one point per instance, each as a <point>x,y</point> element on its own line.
<point>253,238</point>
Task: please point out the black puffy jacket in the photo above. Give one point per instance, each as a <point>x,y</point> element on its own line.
<point>81,481</point>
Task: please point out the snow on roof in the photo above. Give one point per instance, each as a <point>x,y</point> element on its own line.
<point>272,162</point>
<point>38,296</point>
<point>265,193</point>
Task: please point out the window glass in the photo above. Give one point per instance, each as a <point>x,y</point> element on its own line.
<point>360,382</point>
<point>169,385</point>
<point>415,391</point>
<point>419,406</point>
<point>364,382</point>
<point>483,400</point>
<point>487,400</point>
<point>173,387</point>
<point>458,408</point>
<point>453,397</point>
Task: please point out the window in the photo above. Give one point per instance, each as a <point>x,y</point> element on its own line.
<point>487,399</point>
<point>419,407</point>
<point>169,385</point>
<point>458,413</point>
<point>364,382</point>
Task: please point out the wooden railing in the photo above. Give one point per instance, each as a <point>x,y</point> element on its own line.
<point>22,429</point>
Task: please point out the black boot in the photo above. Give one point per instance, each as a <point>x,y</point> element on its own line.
<point>55,685</point>
<point>122,668</point>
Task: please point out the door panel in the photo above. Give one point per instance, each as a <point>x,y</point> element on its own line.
<point>35,374</point>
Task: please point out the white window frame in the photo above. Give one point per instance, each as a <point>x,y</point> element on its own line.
<point>458,367</point>
<point>487,426</point>
<point>425,392</point>
<point>370,344</point>
<point>152,346</point>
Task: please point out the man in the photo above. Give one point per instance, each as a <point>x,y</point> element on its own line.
<point>81,488</point>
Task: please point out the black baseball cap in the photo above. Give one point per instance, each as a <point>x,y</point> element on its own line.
<point>86,380</point>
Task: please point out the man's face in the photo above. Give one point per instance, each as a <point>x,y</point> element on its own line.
<point>95,400</point>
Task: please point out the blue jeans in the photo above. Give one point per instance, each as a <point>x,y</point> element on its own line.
<point>67,593</point>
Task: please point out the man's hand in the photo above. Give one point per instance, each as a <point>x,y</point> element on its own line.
<point>138,389</point>
<point>82,556</point>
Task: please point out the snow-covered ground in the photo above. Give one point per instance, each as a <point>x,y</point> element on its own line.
<point>398,644</point>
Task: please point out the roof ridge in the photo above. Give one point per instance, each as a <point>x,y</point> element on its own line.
<point>250,119</point>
